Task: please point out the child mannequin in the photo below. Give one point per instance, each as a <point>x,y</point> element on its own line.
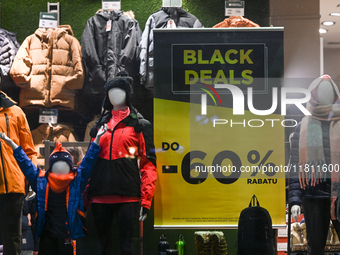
<point>59,194</point>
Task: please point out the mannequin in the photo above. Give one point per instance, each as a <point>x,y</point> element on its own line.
<point>315,140</point>
<point>125,173</point>
<point>326,96</point>
<point>59,194</point>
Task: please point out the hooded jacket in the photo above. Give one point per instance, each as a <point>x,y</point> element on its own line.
<point>48,68</point>
<point>160,19</point>
<point>126,165</point>
<point>109,45</point>
<point>14,124</point>
<point>38,180</point>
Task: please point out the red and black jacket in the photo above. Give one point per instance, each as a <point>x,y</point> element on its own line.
<point>126,164</point>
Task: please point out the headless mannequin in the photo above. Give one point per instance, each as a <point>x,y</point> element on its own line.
<point>326,96</point>
<point>317,201</point>
<point>117,98</point>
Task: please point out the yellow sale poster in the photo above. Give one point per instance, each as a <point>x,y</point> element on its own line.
<point>218,126</point>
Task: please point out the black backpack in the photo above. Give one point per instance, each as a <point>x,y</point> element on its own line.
<point>255,233</point>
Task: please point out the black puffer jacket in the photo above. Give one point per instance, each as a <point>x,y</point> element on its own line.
<point>321,190</point>
<point>108,50</point>
<point>159,19</point>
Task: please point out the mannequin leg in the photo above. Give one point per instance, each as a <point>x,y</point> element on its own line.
<point>317,217</point>
<point>127,218</point>
<point>103,217</point>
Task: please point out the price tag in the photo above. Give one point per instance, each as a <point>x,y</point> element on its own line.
<point>108,25</point>
<point>282,246</point>
<point>171,24</point>
<point>282,232</point>
<point>111,5</point>
<point>48,20</point>
<point>234,8</point>
<point>172,3</point>
<point>48,116</point>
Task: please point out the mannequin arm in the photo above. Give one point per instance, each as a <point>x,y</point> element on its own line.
<point>296,211</point>
<point>100,132</point>
<point>8,140</point>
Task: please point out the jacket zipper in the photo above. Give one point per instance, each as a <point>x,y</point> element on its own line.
<point>3,168</point>
<point>2,160</point>
<point>7,124</point>
<point>113,130</point>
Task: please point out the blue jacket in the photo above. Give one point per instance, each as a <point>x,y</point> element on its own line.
<point>38,181</point>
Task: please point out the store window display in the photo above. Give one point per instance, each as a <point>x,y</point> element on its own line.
<point>314,144</point>
<point>124,176</point>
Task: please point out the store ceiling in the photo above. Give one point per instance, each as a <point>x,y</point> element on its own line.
<point>331,39</point>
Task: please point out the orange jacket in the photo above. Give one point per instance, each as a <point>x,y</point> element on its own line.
<point>14,124</point>
<point>236,21</point>
<point>48,68</point>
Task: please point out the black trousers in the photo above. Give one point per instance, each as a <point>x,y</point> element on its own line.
<point>49,245</point>
<point>126,216</point>
<point>11,205</point>
<point>317,218</point>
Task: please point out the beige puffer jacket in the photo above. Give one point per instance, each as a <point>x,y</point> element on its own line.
<point>54,133</point>
<point>48,68</point>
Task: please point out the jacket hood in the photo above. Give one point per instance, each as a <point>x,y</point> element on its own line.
<point>169,10</point>
<point>57,33</point>
<point>313,87</point>
<point>6,101</point>
<point>114,15</point>
<point>66,29</point>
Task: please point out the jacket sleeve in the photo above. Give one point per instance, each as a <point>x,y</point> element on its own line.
<point>146,40</point>
<point>198,24</point>
<point>130,47</point>
<point>295,191</point>
<point>25,138</point>
<point>27,167</point>
<point>88,46</point>
<point>22,65</point>
<point>76,81</point>
<point>147,166</point>
<point>87,164</point>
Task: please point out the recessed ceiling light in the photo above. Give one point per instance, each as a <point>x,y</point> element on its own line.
<point>337,14</point>
<point>322,31</point>
<point>328,23</point>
